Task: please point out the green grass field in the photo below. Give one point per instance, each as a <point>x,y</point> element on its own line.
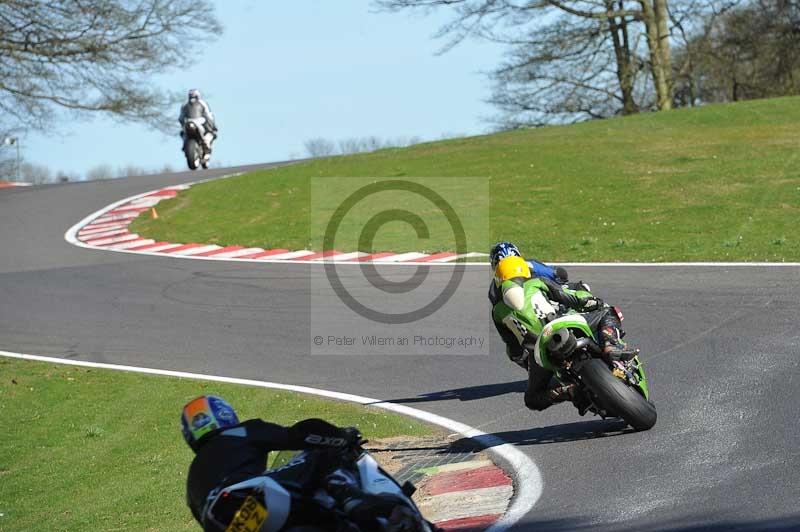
<point>717,183</point>
<point>88,449</point>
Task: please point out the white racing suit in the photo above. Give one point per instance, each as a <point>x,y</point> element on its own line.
<point>199,112</point>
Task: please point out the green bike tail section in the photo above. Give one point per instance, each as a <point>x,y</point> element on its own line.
<point>531,318</point>
<point>574,322</point>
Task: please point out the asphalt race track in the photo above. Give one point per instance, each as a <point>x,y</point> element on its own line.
<point>721,346</point>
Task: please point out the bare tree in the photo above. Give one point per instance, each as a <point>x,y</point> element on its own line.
<point>8,157</point>
<point>95,55</point>
<point>568,59</point>
<point>694,24</point>
<point>353,145</point>
<point>131,170</point>
<point>64,177</point>
<point>102,171</point>
<point>319,147</point>
<point>750,50</point>
<point>8,168</point>
<point>568,70</point>
<point>35,173</point>
<point>373,143</point>
<point>350,146</point>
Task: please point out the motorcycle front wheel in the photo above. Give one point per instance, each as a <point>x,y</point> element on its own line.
<point>616,397</point>
<point>193,154</point>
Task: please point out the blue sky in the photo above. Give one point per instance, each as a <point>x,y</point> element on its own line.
<point>284,72</point>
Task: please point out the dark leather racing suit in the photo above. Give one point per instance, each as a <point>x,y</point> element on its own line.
<point>234,454</point>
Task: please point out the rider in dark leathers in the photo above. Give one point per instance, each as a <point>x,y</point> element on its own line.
<point>228,452</point>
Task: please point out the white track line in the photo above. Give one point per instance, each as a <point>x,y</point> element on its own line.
<point>527,478</point>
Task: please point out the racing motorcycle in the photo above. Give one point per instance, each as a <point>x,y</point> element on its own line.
<point>564,342</point>
<point>193,145</point>
<point>291,496</point>
<point>615,388</point>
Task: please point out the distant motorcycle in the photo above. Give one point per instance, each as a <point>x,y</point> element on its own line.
<point>291,496</point>
<point>193,145</point>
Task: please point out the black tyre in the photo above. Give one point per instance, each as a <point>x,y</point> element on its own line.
<point>193,154</point>
<point>616,397</point>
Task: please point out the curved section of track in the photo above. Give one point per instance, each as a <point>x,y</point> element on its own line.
<point>721,345</point>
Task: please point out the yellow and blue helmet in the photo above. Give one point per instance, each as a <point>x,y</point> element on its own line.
<point>204,415</point>
<point>502,250</point>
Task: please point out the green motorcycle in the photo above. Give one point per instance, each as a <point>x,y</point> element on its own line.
<point>568,347</point>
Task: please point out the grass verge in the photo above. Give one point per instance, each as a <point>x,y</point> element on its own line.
<point>91,449</point>
<point>717,183</point>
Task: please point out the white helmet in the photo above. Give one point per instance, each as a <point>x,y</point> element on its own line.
<point>194,94</point>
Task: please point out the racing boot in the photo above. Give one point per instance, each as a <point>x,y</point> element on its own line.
<point>611,334</point>
<point>614,349</point>
<point>559,394</point>
<point>520,359</point>
<point>616,353</point>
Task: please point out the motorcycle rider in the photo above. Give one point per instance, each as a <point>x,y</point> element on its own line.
<point>228,451</point>
<point>195,108</point>
<point>511,275</point>
<point>557,274</point>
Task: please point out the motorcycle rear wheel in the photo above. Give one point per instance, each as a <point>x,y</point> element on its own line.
<point>616,397</point>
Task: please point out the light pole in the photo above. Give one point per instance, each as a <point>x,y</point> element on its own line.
<point>14,141</point>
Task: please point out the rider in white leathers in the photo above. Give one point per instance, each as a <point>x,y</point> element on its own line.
<point>196,108</point>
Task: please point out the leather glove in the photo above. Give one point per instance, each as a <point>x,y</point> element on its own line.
<point>592,303</point>
<point>403,519</point>
<point>353,436</point>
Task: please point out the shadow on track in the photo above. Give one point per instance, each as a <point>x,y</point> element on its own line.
<point>566,432</point>
<point>704,523</point>
<point>469,393</point>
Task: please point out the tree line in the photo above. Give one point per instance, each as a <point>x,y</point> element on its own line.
<point>30,172</point>
<point>565,60</point>
<point>322,147</point>
<point>572,60</point>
